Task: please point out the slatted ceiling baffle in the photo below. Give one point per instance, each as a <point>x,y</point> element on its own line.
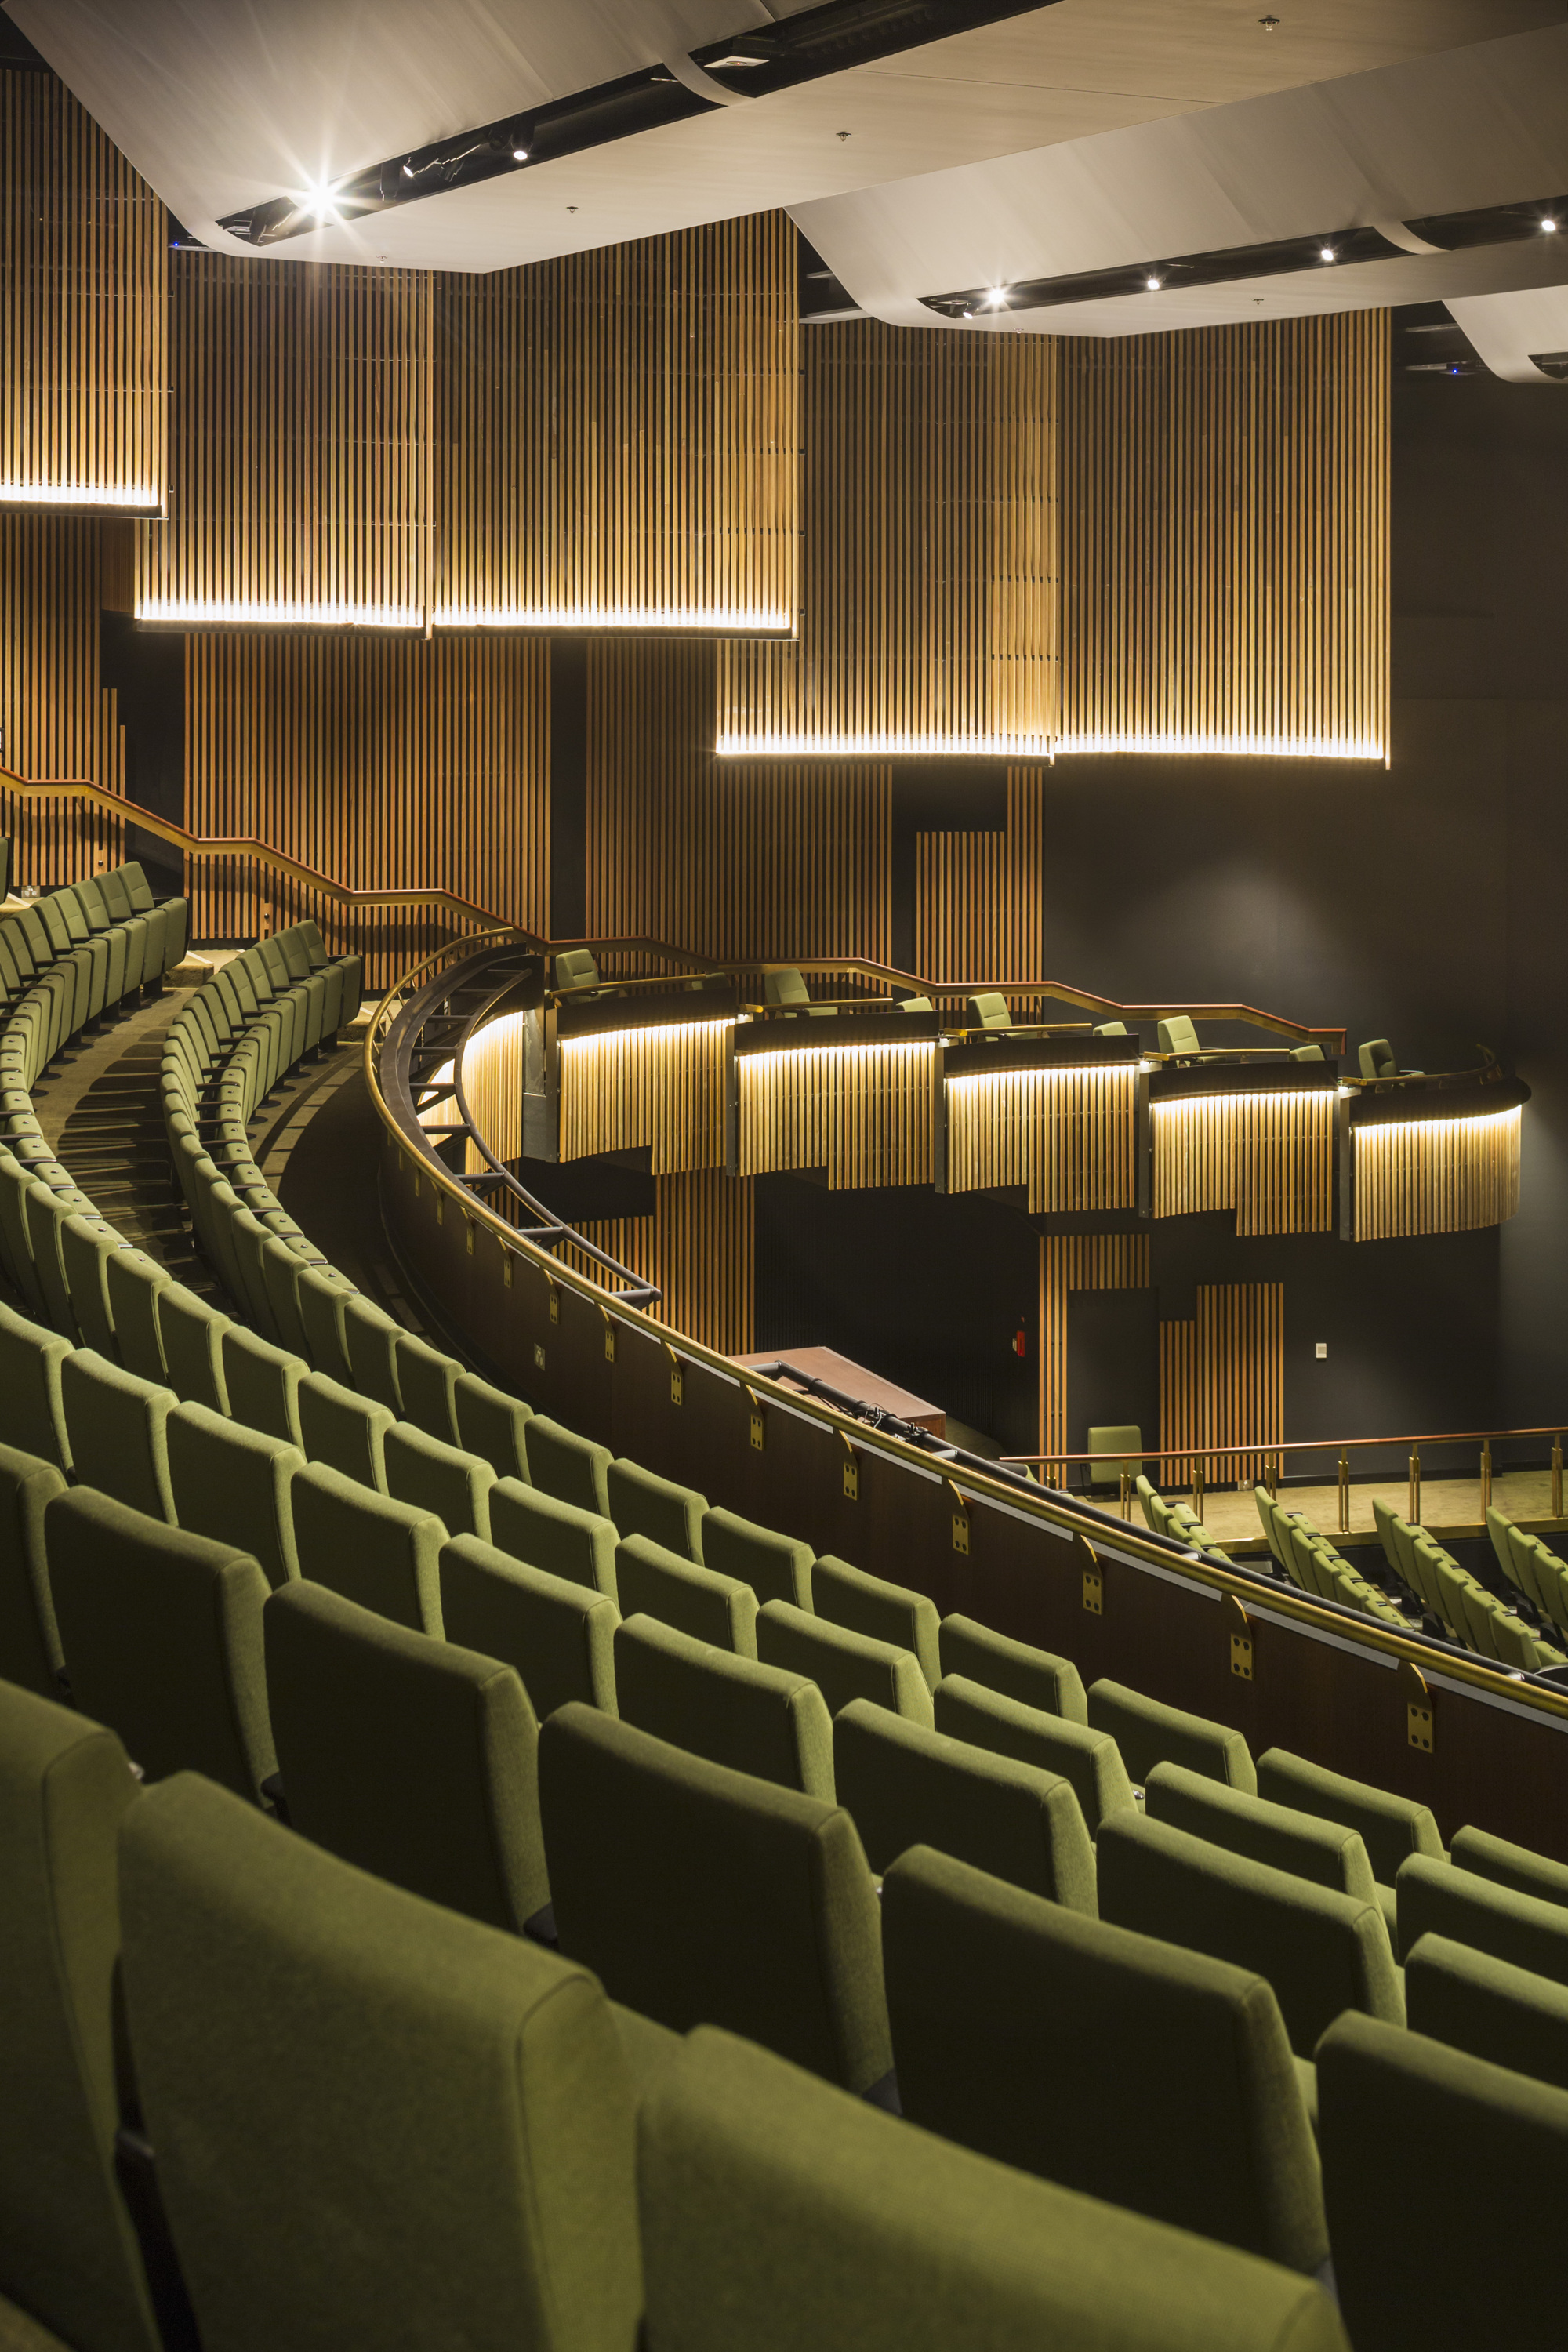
<point>56,718</point>
<point>1436,1176</point>
<point>1224,539</point>
<point>84,247</point>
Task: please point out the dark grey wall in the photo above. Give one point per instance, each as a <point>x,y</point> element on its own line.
<point>1421,902</point>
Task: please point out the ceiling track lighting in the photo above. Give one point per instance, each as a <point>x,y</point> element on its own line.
<point>796,50</point>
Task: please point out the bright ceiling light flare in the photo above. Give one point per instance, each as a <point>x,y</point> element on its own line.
<point>138,496</point>
<point>1154,284</point>
<point>1327,253</point>
<point>1550,227</point>
<point>997,296</point>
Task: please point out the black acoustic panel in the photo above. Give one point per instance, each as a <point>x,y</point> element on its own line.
<point>1113,1365</point>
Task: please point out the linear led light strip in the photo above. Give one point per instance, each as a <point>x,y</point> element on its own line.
<point>259,612</point>
<point>661,1029</point>
<point>1267,746</point>
<point>854,1045</point>
<point>1374,1131</point>
<point>883,747</point>
<point>137,494</point>
<point>613,616</point>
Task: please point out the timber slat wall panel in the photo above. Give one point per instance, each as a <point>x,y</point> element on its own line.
<point>979,909</point>
<point>84,248</point>
<point>1436,1176</point>
<point>56,718</point>
<point>861,1111</point>
<point>663,1087</point>
<point>620,435</point>
<point>1071,1262</point>
<point>699,1246</point>
<point>377,761</point>
<point>1222,1381</point>
<point>1268,1157</point>
<point>1069,1134</point>
<point>1226,539</point>
<point>929,620</point>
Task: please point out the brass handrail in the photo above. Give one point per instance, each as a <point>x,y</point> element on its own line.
<point>1199,1452</point>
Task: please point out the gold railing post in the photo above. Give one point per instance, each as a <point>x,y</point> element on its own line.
<point>1272,1477</point>
<point>1197,1486</point>
<point>1413,1513</point>
<point>1485,1475</point>
<point>1557,1476</point>
<point>1344,1492</point>
<point>1126,1492</point>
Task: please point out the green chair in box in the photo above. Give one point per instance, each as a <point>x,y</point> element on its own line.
<point>842,1595</point>
<point>699,1895</point>
<point>553,1536</point>
<point>658,1508</point>
<point>1437,1899</point>
<point>1507,2015</point>
<point>408,1756</point>
<point>570,1467</point>
<point>703,1697</point>
<point>381,1554</point>
<point>776,2213</point>
<point>29,1638</point>
<point>845,1664</point>
<point>1149,1733</point>
<point>162,1636</point>
<point>1019,2024</point>
<point>653,1582</point>
<point>906,1786</point>
<point>775,1567</point>
<point>990,1010</point>
<point>560,1636</point>
<point>1090,1760</point>
<point>236,1486</point>
<point>476,2188</point>
<point>1123,1439</point>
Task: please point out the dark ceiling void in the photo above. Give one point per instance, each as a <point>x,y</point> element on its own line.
<point>1429,341</point>
<point>755,64</point>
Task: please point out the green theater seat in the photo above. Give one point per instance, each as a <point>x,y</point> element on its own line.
<point>554,1535</point>
<point>1510,1865</point>
<point>1033,1677</point>
<point>135,1284</point>
<point>408,1756</point>
<point>1325,1851</point>
<point>1322,1951</point>
<point>1019,2025</point>
<point>1090,1760</point>
<point>379,1554</point>
<point>654,1582</point>
<point>1469,2146</point>
<point>698,1895</point>
<point>262,1383</point>
<point>371,1338</point>
<point>906,1786</point>
<point>343,1430</point>
<point>1391,1827</point>
<point>427,1381</point>
<point>30,1360</point>
<point>1149,1733</point>
<point>236,1486</point>
<point>1437,1899</point>
<point>668,1514</point>
<point>118,1426</point>
<point>1509,2016</point>
<point>700,1697</point>
<point>888,1612</point>
<point>439,1477</point>
<point>322,1293</point>
<point>775,1567</point>
<point>377,2123</point>
<point>778,2214</point>
<point>560,1636</point>
<point>87,1245</point>
<point>570,1467</point>
<point>845,1666</point>
<point>493,1424</point>
<point>29,1638</point>
<point>192,1334</point>
<point>162,1636</point>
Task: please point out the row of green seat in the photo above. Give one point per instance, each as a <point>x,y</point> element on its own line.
<point>351,2117</point>
<point>1532,1567</point>
<point>1311,1561</point>
<point>1177,1520</point>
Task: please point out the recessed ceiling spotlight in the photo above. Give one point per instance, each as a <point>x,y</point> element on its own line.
<point>520,155</point>
<point>996,297</point>
<point>1269,24</point>
<point>407,170</point>
<point>966,314</point>
<point>1548,225</point>
<point>320,200</point>
<point>1327,253</point>
<point>1154,284</point>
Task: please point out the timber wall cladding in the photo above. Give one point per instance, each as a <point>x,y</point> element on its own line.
<point>979,909</point>
<point>1222,1382</point>
<point>1071,1262</point>
<point>701,1247</point>
<point>1436,1176</point>
<point>376,760</point>
<point>929,604</point>
<point>84,250</point>
<point>54,717</point>
<point>1268,1157</point>
<point>1225,539</point>
<point>606,440</point>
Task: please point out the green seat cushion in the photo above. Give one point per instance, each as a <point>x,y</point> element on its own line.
<point>1090,1759</point>
<point>654,1582</point>
<point>1031,1676</point>
<point>845,1664</point>
<point>558,1635</point>
<point>733,1710</point>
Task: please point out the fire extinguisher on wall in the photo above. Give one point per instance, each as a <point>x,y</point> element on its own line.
<point>1021,1342</point>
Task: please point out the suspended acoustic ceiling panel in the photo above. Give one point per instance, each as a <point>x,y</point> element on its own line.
<point>84,248</point>
<point>56,720</point>
<point>928,621</point>
<point>608,441</point>
<point>760,859</point>
<point>1225,539</point>
<point>374,760</point>
<point>620,438</point>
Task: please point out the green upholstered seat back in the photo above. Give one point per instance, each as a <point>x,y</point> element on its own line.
<point>1090,1760</point>
<point>263,1384</point>
<point>888,1612</point>
<point>407,1756</point>
<point>989,1011</point>
<point>1020,2026</point>
<point>1470,2144</point>
<point>322,1294</point>
<point>439,1477</point>
<point>162,1634</point>
<point>844,1664</point>
<point>575,968</point>
<point>86,1244</point>
<point>777,1566</point>
<point>1177,1035</point>
<point>1110,1029</point>
<point>1149,1733</point>
<point>572,1468</point>
<point>136,1283</point>
<point>476,2190</point>
<point>1390,1826</point>
<point>347,1430</point>
<point>383,1555</point>
<point>1377,1060</point>
<point>1325,1851</point>
<point>426,1379</point>
<point>236,1485</point>
<point>785,987</point>
<point>1509,2016</point>
<point>371,1338</point>
<point>1306,1052</point>
<point>1498,1526</point>
<point>30,1360</point>
<point>560,1636</point>
<point>29,1638</point>
<point>651,1582</point>
<point>1437,1899</point>
<point>1121,1438</point>
<point>1510,1866</point>
<point>1322,1951</point>
<point>700,1697</point>
<point>1033,1677</point>
<point>282,1266</point>
<point>643,1504</point>
<point>117,1426</point>
<point>554,1535</point>
<point>493,1424</point>
<point>776,2215</point>
<point>700,1895</point>
<point>67,2253</point>
<point>907,1786</point>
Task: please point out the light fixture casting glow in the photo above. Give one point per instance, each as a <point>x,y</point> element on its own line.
<point>1154,284</point>
<point>321,201</point>
<point>256,613</point>
<point>664,1032</point>
<point>1550,227</point>
<point>1266,747</point>
<point>883,747</point>
<point>520,155</point>
<point>136,495</point>
<point>1326,253</point>
<point>996,297</point>
<point>743,620</point>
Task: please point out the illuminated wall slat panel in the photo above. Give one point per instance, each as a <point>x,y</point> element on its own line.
<point>1222,1380</point>
<point>930,616</point>
<point>699,1246</point>
<point>1070,1135</point>
<point>375,760</point>
<point>1225,539</point>
<point>1268,1157</point>
<point>1071,1262</point>
<point>84,247</point>
<point>863,1112</point>
<point>661,1086</point>
<point>619,436</point>
<point>1436,1176</point>
<point>57,718</point>
<point>979,909</point>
